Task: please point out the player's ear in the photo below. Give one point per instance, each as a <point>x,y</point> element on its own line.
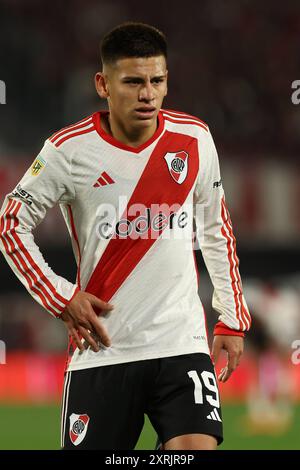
<point>101,85</point>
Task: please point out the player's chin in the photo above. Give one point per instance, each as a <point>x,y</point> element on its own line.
<point>145,121</point>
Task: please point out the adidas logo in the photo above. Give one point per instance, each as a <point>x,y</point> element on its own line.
<point>214,415</point>
<point>103,180</point>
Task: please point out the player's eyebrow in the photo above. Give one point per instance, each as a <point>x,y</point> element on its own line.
<point>142,80</point>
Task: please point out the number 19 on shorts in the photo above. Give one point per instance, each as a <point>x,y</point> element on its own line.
<point>209,381</point>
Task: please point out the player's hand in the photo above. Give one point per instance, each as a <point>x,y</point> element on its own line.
<point>80,318</point>
<point>234,345</point>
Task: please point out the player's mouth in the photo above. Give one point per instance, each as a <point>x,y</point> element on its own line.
<point>145,112</point>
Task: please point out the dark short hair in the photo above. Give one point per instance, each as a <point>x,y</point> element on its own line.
<point>132,40</point>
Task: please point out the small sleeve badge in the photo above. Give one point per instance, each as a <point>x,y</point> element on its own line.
<point>37,165</point>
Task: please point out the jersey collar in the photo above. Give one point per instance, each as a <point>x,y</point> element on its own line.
<point>116,143</point>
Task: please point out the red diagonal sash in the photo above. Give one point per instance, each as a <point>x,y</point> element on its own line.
<point>156,186</point>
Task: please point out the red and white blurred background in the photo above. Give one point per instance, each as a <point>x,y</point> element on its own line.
<point>231,64</point>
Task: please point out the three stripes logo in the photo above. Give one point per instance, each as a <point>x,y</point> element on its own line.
<point>103,180</point>
<point>214,415</point>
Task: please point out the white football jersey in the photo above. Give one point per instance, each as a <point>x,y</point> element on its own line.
<point>129,212</point>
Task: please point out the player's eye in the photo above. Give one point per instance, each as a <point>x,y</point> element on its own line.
<point>134,82</point>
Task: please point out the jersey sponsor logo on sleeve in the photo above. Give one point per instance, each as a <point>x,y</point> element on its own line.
<point>37,165</point>
<point>178,165</point>
<point>78,428</point>
<point>22,194</point>
<point>216,184</point>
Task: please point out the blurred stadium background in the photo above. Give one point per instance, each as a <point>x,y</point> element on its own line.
<point>230,63</point>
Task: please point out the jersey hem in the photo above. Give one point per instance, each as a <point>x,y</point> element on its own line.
<point>123,360</point>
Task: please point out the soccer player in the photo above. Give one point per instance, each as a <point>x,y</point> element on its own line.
<point>129,182</point>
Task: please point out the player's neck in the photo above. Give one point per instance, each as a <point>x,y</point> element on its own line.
<point>132,138</point>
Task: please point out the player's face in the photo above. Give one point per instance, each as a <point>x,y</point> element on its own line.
<point>135,89</point>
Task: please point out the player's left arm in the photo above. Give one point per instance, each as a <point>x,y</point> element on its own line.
<point>218,245</point>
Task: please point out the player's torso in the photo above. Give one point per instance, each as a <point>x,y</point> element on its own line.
<point>133,218</point>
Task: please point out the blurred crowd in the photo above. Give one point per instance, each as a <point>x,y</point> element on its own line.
<point>231,63</point>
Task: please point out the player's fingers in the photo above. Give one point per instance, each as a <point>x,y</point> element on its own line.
<point>101,333</point>
<point>233,358</point>
<point>99,329</point>
<point>216,349</point>
<point>100,304</point>
<point>96,328</point>
<point>239,359</point>
<point>76,338</point>
<point>222,372</point>
<point>89,338</point>
<point>86,323</point>
<point>225,374</point>
<point>232,363</point>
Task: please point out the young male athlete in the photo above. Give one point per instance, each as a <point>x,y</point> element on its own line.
<point>129,182</point>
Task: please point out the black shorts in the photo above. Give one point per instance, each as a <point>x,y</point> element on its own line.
<point>104,407</point>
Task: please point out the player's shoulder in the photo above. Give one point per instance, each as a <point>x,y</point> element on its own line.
<point>72,132</point>
<point>180,118</point>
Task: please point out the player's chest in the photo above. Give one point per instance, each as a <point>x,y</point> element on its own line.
<point>163,172</point>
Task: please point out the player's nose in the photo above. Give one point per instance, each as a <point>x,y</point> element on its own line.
<point>146,92</point>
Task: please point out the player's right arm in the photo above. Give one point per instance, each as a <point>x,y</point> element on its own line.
<point>47,182</point>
